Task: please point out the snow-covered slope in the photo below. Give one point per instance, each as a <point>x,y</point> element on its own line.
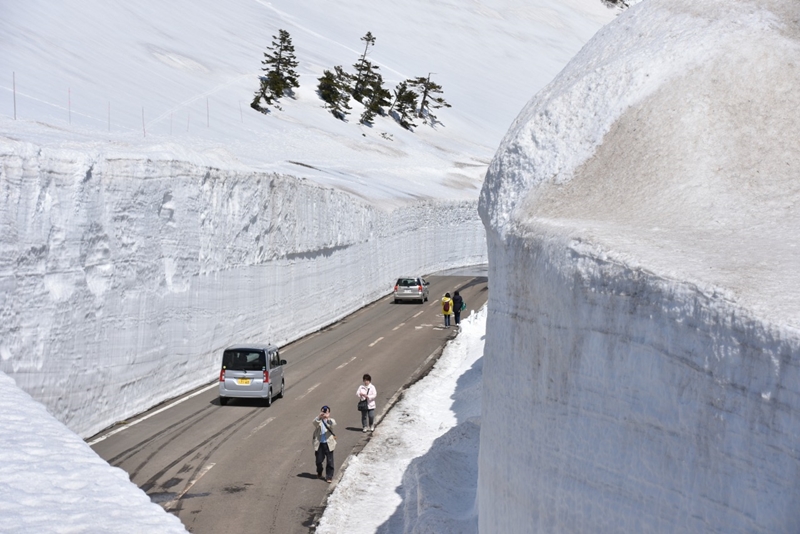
<point>188,70</point>
<point>642,368</point>
<point>51,481</point>
<point>149,217</point>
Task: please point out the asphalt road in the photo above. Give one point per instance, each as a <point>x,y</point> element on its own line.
<point>246,468</point>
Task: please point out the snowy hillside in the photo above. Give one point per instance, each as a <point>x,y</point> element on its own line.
<point>642,220</point>
<point>190,68</point>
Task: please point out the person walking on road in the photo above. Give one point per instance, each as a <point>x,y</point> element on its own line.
<point>447,309</point>
<point>458,305</point>
<point>366,403</point>
<point>324,442</point>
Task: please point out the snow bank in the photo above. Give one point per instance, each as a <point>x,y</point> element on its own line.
<point>51,481</point>
<point>641,217</point>
<point>124,275</point>
<point>419,471</point>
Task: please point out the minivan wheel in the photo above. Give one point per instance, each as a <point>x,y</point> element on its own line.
<point>282,387</point>
<point>268,400</point>
<point>223,401</point>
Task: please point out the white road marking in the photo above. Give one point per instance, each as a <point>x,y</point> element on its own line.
<point>202,472</point>
<point>345,363</point>
<point>259,427</point>
<point>148,416</point>
<point>398,326</point>
<point>418,313</point>
<point>312,388</point>
<point>375,342</point>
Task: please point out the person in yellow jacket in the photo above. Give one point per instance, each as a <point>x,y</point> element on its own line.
<point>447,309</point>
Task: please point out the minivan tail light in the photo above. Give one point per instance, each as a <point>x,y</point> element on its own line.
<point>395,289</point>
<point>266,376</point>
<point>419,288</point>
<point>222,375</point>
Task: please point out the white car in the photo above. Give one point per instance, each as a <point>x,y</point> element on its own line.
<point>411,288</point>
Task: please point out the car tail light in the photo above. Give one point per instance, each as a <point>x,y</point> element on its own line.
<point>266,376</point>
<point>395,289</point>
<point>222,375</point>
<point>419,288</point>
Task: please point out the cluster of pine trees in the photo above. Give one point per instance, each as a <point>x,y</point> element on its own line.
<point>412,98</point>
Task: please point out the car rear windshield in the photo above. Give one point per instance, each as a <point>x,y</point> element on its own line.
<point>407,282</point>
<point>244,360</point>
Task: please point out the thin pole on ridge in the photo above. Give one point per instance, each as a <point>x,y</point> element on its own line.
<point>144,132</point>
<point>14,85</point>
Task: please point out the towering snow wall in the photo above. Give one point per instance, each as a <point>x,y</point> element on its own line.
<point>642,361</point>
<point>122,276</point>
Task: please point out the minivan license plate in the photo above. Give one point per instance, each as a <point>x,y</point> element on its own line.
<point>243,381</point>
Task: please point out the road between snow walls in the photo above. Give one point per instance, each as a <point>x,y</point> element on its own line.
<point>123,278</point>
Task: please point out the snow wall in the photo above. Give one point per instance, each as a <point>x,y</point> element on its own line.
<point>642,360</point>
<point>123,276</point>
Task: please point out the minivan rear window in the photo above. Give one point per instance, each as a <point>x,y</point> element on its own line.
<point>407,282</point>
<point>244,360</point>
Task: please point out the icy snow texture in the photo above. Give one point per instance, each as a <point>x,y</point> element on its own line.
<point>642,219</point>
<point>51,481</point>
<point>419,471</point>
<point>123,278</point>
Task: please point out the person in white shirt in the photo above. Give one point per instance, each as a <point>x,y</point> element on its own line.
<point>367,392</point>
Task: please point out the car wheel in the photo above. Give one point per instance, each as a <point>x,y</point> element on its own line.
<point>397,301</point>
<point>268,400</point>
<point>223,401</point>
<point>282,388</point>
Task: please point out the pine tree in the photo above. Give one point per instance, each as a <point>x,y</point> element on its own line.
<point>426,90</point>
<point>334,90</point>
<point>378,100</point>
<point>404,105</point>
<point>366,71</point>
<point>280,76</point>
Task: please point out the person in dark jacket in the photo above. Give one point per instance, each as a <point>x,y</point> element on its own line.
<point>458,303</point>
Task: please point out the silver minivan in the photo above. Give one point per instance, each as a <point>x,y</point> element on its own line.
<point>251,372</point>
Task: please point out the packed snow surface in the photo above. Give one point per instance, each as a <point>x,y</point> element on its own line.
<point>419,471</point>
<point>642,369</point>
<point>51,481</point>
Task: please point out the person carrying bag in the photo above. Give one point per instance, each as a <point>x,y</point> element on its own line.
<point>367,393</point>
